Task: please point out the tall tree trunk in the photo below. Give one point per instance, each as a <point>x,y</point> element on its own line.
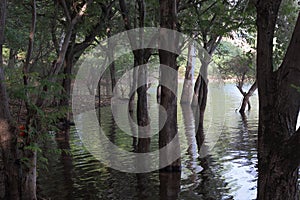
<point>133,86</point>
<point>246,97</point>
<point>187,90</point>
<point>9,168</point>
<point>202,99</point>
<point>67,72</point>
<point>199,87</point>
<point>142,101</point>
<point>28,168</point>
<point>111,61</point>
<point>141,57</point>
<point>168,99</point>
<point>278,139</point>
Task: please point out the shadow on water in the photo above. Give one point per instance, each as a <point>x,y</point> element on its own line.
<point>227,171</point>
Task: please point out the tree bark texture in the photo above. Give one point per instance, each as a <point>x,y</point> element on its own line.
<point>246,97</point>
<point>278,139</point>
<point>168,100</point>
<point>9,166</point>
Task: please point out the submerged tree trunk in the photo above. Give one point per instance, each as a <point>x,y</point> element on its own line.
<point>199,88</point>
<point>196,92</point>
<point>246,97</point>
<point>278,139</point>
<point>169,187</point>
<point>201,100</point>
<point>141,57</point>
<point>187,90</point>
<point>168,99</point>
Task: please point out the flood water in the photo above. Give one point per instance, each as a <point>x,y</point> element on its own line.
<point>227,170</point>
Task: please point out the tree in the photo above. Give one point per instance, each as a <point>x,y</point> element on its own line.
<point>187,89</point>
<point>8,155</point>
<point>18,179</point>
<point>233,63</point>
<point>278,139</point>
<point>168,100</point>
<point>210,22</point>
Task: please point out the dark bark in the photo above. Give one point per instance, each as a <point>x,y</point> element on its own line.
<point>169,187</point>
<point>201,101</point>
<point>278,140</point>
<point>141,57</point>
<point>196,92</point>
<point>68,67</point>
<point>9,168</point>
<point>12,58</point>
<point>209,46</point>
<point>111,59</point>
<point>142,79</point>
<point>246,97</point>
<point>4,109</point>
<point>168,99</point>
<point>9,165</point>
<point>133,85</point>
<point>28,184</point>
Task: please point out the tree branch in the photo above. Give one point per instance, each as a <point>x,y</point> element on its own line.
<point>59,62</point>
<point>66,11</point>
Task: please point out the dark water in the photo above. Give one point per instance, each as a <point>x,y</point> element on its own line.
<point>227,169</point>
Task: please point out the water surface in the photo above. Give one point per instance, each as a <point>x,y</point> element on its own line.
<point>227,170</point>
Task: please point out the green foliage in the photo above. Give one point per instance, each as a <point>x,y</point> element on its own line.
<point>234,63</point>
<point>286,21</point>
<point>296,87</point>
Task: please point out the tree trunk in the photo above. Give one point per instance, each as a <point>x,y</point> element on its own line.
<point>133,86</point>
<point>246,98</point>
<point>169,187</point>
<point>9,165</point>
<point>9,186</point>
<point>278,139</point>
<point>189,126</point>
<point>187,90</point>
<point>196,92</point>
<point>141,57</point>
<point>28,184</point>
<point>199,87</point>
<point>168,99</point>
<point>111,61</point>
<point>12,59</point>
<point>201,101</point>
